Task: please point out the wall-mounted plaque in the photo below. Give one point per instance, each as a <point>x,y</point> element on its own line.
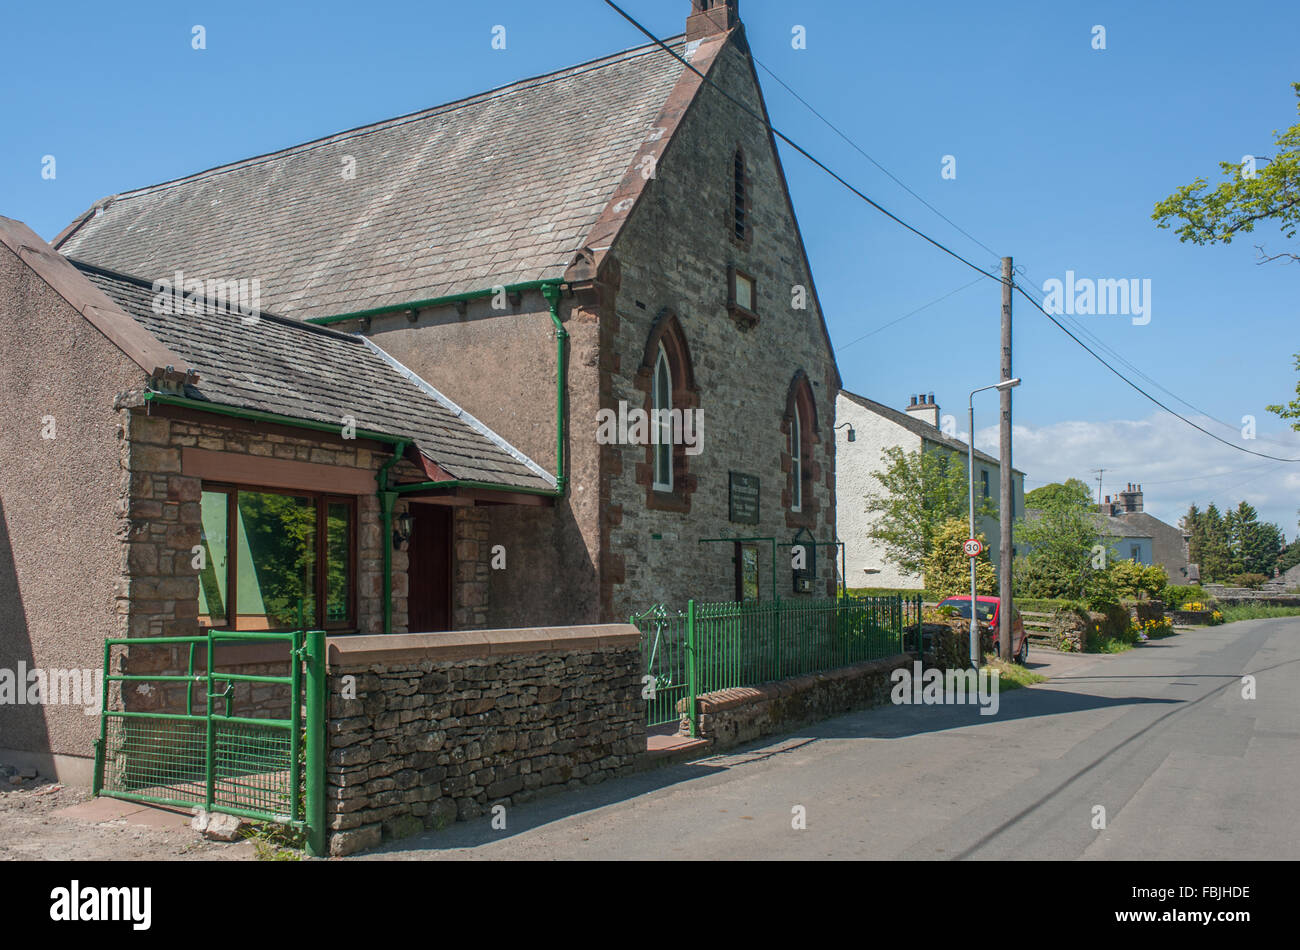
<point>744,498</point>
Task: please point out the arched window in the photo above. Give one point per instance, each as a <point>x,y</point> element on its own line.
<point>796,463</point>
<point>666,377</point>
<point>798,457</point>
<point>662,423</point>
<point>740,200</point>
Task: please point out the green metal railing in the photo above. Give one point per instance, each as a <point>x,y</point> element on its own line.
<point>714,646</point>
<point>264,767</point>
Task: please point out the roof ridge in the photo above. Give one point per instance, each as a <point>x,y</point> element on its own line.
<point>261,314</point>
<point>899,416</point>
<point>528,82</point>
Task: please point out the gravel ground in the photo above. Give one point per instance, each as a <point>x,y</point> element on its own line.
<point>31,831</point>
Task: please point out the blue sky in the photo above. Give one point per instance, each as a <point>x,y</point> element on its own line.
<point>1061,151</point>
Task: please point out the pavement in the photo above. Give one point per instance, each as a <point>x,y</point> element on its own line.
<point>1150,754</point>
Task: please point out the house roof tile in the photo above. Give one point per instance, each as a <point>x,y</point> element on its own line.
<point>496,189</point>
<point>285,367</point>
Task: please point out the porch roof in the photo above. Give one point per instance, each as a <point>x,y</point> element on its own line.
<point>288,368</point>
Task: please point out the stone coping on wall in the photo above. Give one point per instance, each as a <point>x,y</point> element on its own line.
<point>362,650</point>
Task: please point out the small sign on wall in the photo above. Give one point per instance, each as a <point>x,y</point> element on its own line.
<point>743,498</point>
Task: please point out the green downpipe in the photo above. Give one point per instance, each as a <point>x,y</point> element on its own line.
<point>552,294</point>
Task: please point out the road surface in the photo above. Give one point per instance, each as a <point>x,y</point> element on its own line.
<point>1159,737</point>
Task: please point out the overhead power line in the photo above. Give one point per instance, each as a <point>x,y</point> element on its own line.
<point>777,133</point>
<point>1064,329</point>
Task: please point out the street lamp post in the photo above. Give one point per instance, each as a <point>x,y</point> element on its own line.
<point>970,480</point>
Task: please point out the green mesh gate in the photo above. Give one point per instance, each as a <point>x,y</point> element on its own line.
<point>249,744</point>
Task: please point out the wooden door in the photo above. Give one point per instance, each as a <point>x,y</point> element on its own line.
<point>429,601</point>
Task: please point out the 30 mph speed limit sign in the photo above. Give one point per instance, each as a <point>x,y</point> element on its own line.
<point>972,547</point>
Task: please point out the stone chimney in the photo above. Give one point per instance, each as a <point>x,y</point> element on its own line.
<point>711,16</point>
<point>925,408</point>
<point>1130,500</point>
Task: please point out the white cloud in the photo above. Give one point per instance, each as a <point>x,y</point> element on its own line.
<point>1176,465</point>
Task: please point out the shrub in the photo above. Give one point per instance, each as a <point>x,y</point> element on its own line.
<point>1133,580</point>
<point>1176,595</point>
<point>1249,580</point>
<point>947,569</point>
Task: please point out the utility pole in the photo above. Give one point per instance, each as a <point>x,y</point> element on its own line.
<point>1100,472</point>
<point>1006,498</point>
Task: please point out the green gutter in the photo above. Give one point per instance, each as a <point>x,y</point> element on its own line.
<point>433,302</point>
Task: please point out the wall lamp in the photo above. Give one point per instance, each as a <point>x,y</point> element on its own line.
<point>401,530</point>
<point>853,436</point>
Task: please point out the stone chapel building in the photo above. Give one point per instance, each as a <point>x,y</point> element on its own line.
<point>373,377</point>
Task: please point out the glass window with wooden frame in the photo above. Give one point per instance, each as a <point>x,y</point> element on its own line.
<point>663,405</point>
<point>266,552</point>
<point>796,462</point>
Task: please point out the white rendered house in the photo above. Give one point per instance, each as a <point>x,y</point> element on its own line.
<point>876,427</point>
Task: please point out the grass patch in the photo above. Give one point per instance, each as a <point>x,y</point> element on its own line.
<point>1013,675</point>
<point>276,842</point>
<point>1244,612</point>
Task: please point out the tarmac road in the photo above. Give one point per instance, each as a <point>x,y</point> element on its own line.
<point>1160,737</point>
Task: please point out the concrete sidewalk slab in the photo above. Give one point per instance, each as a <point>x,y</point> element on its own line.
<point>134,813</point>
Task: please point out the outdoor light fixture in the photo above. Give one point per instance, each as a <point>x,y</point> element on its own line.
<point>401,530</point>
<point>970,475</point>
<point>853,436</point>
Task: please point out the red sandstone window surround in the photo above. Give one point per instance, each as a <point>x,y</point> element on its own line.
<point>265,550</point>
<point>667,378</point>
<point>799,426</point>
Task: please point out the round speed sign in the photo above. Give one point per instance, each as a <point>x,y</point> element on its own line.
<point>972,547</point>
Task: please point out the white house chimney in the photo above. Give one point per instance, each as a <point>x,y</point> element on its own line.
<point>924,407</point>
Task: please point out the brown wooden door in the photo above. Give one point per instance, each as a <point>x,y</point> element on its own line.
<point>429,602</point>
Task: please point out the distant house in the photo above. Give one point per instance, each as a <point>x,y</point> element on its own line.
<point>877,427</point>
<point>1143,537</point>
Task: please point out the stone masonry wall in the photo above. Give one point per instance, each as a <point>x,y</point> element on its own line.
<point>730,717</point>
<point>673,255</point>
<point>444,727</point>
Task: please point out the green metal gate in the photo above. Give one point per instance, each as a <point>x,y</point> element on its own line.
<point>260,767</point>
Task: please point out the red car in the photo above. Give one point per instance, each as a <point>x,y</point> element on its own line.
<point>986,614</point>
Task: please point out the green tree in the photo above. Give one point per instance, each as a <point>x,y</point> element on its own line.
<point>1256,545</point>
<point>919,492</point>
<point>1211,546</point>
<point>1246,196</point>
<point>1292,409</point>
<point>947,567</point>
<point>1072,489</point>
<point>1290,556</point>
<point>1059,544</point>
<point>1266,189</point>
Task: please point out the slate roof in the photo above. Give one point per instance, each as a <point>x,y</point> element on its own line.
<point>282,366</point>
<point>499,188</point>
<point>918,426</point>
